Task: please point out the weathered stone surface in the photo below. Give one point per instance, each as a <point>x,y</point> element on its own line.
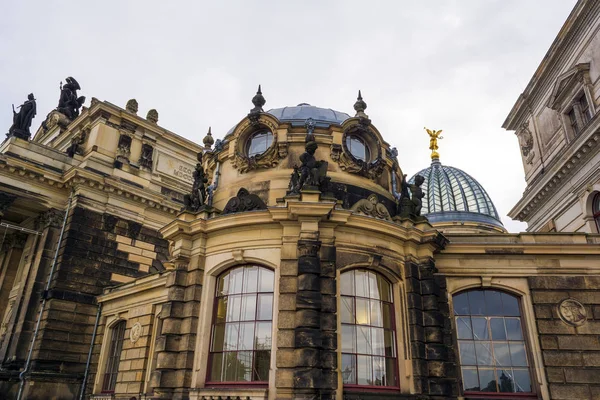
<point>570,392</point>
<point>562,358</point>
<point>557,282</point>
<point>578,342</point>
<point>308,318</point>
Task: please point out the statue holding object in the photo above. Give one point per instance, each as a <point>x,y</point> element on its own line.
<point>197,199</point>
<point>411,205</point>
<point>22,119</point>
<point>312,173</point>
<point>68,103</point>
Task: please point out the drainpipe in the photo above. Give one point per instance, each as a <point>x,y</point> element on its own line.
<point>44,299</point>
<point>89,359</point>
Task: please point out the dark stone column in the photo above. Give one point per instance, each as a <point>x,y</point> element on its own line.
<point>432,347</point>
<point>315,338</point>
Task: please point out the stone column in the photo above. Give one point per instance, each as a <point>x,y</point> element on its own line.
<point>315,325</point>
<point>433,353</point>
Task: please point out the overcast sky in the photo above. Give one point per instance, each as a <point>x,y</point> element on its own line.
<point>452,65</point>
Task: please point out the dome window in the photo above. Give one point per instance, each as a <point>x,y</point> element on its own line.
<point>259,143</point>
<point>358,148</point>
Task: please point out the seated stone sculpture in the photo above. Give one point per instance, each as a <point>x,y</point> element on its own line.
<point>372,207</point>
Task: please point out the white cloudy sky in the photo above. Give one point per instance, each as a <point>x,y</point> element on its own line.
<point>445,64</point>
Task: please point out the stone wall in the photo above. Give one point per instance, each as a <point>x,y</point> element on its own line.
<point>433,352</point>
<point>96,251</point>
<point>570,343</point>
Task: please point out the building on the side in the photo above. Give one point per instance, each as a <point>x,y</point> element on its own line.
<point>294,259</point>
<point>557,125</point>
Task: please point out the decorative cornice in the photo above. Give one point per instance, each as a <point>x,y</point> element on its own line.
<point>538,194</point>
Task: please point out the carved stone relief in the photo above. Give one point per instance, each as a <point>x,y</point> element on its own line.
<point>526,142</point>
<point>572,312</point>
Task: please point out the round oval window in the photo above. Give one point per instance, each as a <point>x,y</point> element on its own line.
<point>358,148</point>
<point>259,143</point>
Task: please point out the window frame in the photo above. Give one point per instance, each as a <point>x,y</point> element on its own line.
<point>112,355</point>
<point>353,136</point>
<point>531,360</point>
<point>269,139</point>
<point>213,315</point>
<point>596,210</point>
<point>397,355</point>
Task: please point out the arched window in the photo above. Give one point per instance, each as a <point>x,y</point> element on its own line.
<point>259,142</point>
<point>240,348</point>
<point>596,210</point>
<point>493,352</point>
<point>117,335</point>
<point>368,330</point>
<point>358,148</point>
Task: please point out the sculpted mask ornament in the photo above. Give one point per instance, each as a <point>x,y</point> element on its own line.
<point>572,312</point>
<point>526,142</point>
<point>136,332</point>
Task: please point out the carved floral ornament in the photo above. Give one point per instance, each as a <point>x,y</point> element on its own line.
<point>374,167</point>
<point>136,332</point>
<point>269,159</point>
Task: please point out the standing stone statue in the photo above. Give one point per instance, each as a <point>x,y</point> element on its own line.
<point>22,119</point>
<point>410,206</point>
<point>69,104</point>
<point>197,198</point>
<point>312,172</point>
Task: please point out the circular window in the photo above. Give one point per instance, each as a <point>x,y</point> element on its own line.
<point>358,148</point>
<point>259,142</point>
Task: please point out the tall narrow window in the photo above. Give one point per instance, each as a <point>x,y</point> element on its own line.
<point>586,113</point>
<point>117,335</point>
<point>573,121</point>
<point>596,210</point>
<point>493,353</point>
<point>241,333</point>
<point>368,331</point>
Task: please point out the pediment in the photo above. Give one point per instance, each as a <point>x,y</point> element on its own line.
<point>566,82</point>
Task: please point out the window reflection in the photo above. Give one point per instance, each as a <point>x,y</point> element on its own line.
<point>358,148</point>
<point>241,336</point>
<point>259,143</point>
<point>368,335</point>
<point>492,350</point>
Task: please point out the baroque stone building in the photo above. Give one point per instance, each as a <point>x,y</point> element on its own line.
<point>293,259</point>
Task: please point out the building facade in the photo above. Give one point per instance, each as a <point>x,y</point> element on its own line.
<point>294,259</point>
<point>555,120</point>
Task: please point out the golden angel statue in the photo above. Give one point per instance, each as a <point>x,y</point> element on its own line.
<point>433,138</point>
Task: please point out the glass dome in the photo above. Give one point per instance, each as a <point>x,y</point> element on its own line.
<point>452,195</point>
<point>299,114</point>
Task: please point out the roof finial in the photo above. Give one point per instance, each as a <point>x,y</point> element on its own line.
<point>208,140</point>
<point>259,101</point>
<point>433,145</point>
<point>360,106</point>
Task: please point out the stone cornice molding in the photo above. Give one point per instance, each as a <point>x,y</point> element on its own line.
<point>576,23</point>
<point>156,281</point>
<point>557,173</point>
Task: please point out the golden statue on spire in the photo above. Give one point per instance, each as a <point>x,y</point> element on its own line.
<point>433,138</point>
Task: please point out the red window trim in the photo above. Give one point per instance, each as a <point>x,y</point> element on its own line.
<point>490,395</point>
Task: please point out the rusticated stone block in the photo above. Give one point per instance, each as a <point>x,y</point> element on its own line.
<point>580,375</point>
<point>543,311</point>
<point>307,299</point>
<point>307,357</point>
<point>309,265</point>
<point>288,284</point>
<point>328,322</point>
<point>557,282</point>
<point>309,282</point>
<point>308,318</point>
<point>440,388</point>
<point>570,392</point>
<point>287,302</point>
<point>415,317</point>
<point>328,269</point>
<point>328,380</point>
<point>411,270</point>
<point>418,350</point>
<point>548,342</point>
<point>306,337</point>
<point>328,286</point>
<point>578,343</point>
<point>433,318</point>
<point>414,300</point>
<point>329,304</point>
<point>329,359</point>
<point>554,327</point>
<point>284,378</point>
<point>285,338</point>
<point>413,285</point>
<point>286,320</point>
<point>542,297</point>
<point>306,378</point>
<point>430,302</point>
<point>329,340</point>
<point>417,332</point>
<point>420,367</point>
<point>429,287</point>
<point>555,375</point>
<point>562,358</point>
<point>437,352</point>
<point>285,358</point>
<point>591,359</point>
<point>434,334</point>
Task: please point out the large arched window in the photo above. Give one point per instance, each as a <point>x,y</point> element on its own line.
<point>117,335</point>
<point>493,352</point>
<point>368,330</point>
<point>240,348</point>
<point>596,210</point>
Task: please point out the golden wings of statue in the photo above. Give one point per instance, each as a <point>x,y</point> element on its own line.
<point>433,138</point>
